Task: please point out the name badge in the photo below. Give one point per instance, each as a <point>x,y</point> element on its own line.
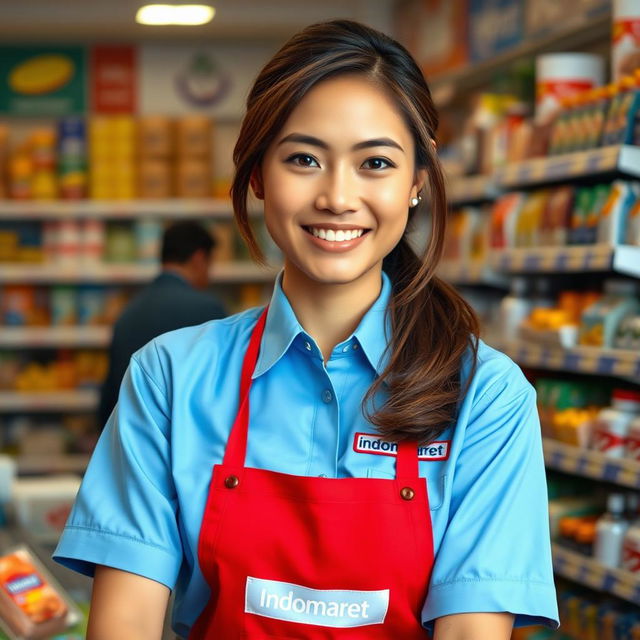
<point>326,607</point>
<point>372,443</point>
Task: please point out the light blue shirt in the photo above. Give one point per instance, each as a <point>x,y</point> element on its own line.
<point>142,498</point>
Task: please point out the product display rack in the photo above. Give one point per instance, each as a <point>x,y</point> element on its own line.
<point>59,400</point>
<point>619,363</point>
<point>588,572</point>
<point>543,354</point>
<point>221,273</point>
<point>591,464</point>
<point>49,337</point>
<point>172,208</point>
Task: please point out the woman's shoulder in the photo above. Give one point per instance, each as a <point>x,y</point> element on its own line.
<point>495,372</point>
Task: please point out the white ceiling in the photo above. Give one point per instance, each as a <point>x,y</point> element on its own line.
<point>113,20</point>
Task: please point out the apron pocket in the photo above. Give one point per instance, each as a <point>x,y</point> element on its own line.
<point>435,486</point>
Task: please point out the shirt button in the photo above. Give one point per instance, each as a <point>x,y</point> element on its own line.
<point>327,396</point>
<point>307,346</point>
<point>355,346</point>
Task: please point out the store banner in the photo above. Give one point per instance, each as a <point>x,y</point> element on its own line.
<point>212,79</point>
<point>42,81</point>
<point>114,79</point>
<point>495,26</point>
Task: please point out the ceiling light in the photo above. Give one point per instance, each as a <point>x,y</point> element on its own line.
<point>175,14</point>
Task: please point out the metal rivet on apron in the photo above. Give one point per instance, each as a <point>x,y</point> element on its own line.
<point>407,493</point>
<point>231,482</point>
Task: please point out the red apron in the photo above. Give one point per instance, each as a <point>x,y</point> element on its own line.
<point>300,558</point>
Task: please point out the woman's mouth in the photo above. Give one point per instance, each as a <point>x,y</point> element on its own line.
<point>336,239</point>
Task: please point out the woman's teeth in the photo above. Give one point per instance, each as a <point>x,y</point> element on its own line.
<point>342,235</point>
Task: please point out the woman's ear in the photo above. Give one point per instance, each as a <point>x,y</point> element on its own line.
<point>256,184</point>
<point>419,181</point>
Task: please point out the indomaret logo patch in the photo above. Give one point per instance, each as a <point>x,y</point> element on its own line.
<point>372,443</point>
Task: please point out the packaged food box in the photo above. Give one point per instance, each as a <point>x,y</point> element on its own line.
<point>32,603</point>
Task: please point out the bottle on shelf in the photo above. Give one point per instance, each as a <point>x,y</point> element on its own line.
<point>631,543</point>
<point>610,531</point>
<point>515,308</point>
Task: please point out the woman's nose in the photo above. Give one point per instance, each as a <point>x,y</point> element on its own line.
<point>338,192</point>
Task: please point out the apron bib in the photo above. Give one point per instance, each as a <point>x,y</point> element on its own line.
<point>303,558</point>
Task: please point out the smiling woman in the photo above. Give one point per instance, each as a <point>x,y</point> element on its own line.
<point>351,461</point>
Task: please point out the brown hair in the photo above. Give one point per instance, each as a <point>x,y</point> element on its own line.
<point>433,328</point>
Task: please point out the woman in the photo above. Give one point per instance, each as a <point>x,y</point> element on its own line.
<point>386,478</point>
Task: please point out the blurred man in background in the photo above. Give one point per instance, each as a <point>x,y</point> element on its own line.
<point>175,299</point>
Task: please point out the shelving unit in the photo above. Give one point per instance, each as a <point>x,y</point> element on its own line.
<point>171,208</point>
<point>80,400</point>
<point>587,571</point>
<point>598,164</point>
<point>591,464</point>
<point>55,336</point>
<point>588,360</point>
<point>622,259</point>
<point>232,272</point>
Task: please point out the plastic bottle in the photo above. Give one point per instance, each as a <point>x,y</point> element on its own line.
<point>631,543</point>
<point>611,427</point>
<point>610,531</point>
<point>514,308</point>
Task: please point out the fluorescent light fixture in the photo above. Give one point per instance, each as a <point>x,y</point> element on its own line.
<point>175,14</point>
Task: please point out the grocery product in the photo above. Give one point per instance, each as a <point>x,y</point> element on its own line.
<point>600,320</point>
<point>633,223</point>
<point>610,531</point>
<point>554,223</point>
<point>611,426</point>
<point>614,212</point>
<point>628,334</point>
<point>32,604</point>
<point>514,308</point>
<point>625,50</point>
<point>42,505</point>
<point>561,74</point>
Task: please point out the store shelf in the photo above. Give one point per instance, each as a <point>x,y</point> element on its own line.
<point>172,208</point>
<point>576,32</point>
<point>18,401</point>
<point>591,464</point>
<point>588,572</point>
<point>590,360</point>
<point>44,464</point>
<point>620,158</point>
<point>598,257</point>
<point>54,336</point>
<point>224,273</point>
<point>471,273</point>
<point>470,189</point>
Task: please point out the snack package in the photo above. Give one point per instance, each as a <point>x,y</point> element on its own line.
<point>32,603</point>
<point>614,213</point>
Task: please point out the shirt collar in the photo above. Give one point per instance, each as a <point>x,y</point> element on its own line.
<point>282,328</point>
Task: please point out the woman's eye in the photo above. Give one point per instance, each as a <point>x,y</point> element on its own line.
<point>377,163</point>
<point>303,160</point>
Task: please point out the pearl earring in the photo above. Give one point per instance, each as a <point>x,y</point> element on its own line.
<point>414,202</point>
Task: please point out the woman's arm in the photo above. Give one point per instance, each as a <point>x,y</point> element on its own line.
<point>126,606</point>
<point>474,626</point>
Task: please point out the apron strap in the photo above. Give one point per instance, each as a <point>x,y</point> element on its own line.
<point>236,449</point>
<point>407,460</point>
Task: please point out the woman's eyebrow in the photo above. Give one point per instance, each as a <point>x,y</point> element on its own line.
<point>316,142</point>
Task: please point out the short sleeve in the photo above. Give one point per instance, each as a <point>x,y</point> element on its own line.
<point>125,513</point>
<point>495,555</point>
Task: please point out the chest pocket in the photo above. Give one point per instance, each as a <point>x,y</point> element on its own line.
<point>436,486</point>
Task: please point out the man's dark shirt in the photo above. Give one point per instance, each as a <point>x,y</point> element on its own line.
<point>168,303</point>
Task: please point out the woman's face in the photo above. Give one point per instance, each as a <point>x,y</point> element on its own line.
<point>337,181</point>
